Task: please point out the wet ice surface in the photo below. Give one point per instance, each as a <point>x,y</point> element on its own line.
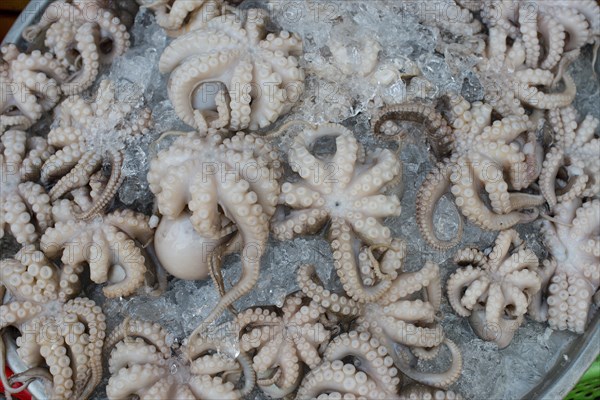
<point>406,46</point>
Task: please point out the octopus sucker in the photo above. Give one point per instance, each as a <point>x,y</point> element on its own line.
<point>232,74</point>
<point>422,392</point>
<point>495,291</point>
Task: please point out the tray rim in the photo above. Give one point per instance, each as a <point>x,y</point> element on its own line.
<point>560,379</point>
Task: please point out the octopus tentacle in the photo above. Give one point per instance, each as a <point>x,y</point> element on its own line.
<point>114,182</point>
<point>347,269</point>
<point>438,380</point>
<point>242,208</point>
<point>85,38</point>
<point>151,333</point>
<point>78,176</point>
<point>430,192</point>
<point>373,358</point>
<point>438,132</point>
<point>312,287</point>
<point>339,378</point>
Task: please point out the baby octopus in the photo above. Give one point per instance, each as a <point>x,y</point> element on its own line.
<point>112,245</point>
<point>501,157</point>
<point>87,135</point>
<point>61,334</point>
<point>145,362</point>
<point>82,34</point>
<point>232,74</point>
<point>216,196</point>
<point>573,239</point>
<point>30,86</point>
<point>24,205</point>
<point>573,157</point>
<point>398,319</point>
<point>345,188</point>
<point>283,341</point>
<point>495,290</point>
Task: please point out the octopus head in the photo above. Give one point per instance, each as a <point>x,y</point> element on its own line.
<point>182,251</point>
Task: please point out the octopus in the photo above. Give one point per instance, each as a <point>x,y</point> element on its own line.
<point>232,74</point>
<point>402,319</point>
<point>31,86</point>
<point>572,236</point>
<point>283,341</point>
<point>178,17</point>
<point>495,291</point>
<point>346,188</point>
<point>145,362</point>
<point>61,334</point>
<point>216,196</point>
<point>372,375</point>
<point>571,168</point>
<point>112,245</point>
<point>82,35</point>
<point>501,157</point>
<point>522,85</point>
<point>550,31</point>
<point>25,206</point>
<point>87,135</point>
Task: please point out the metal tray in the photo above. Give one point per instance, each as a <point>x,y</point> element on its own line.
<point>559,381</point>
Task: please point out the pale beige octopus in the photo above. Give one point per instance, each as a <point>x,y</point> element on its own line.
<point>495,291</point>
<point>82,35</point>
<point>30,86</point>
<point>486,158</point>
<point>346,188</point>
<point>111,244</point>
<point>61,334</point>
<point>402,318</point>
<point>283,341</point>
<point>232,74</point>
<point>87,135</point>
<point>216,196</point>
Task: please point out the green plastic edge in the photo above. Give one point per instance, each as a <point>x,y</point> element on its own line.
<point>588,386</point>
